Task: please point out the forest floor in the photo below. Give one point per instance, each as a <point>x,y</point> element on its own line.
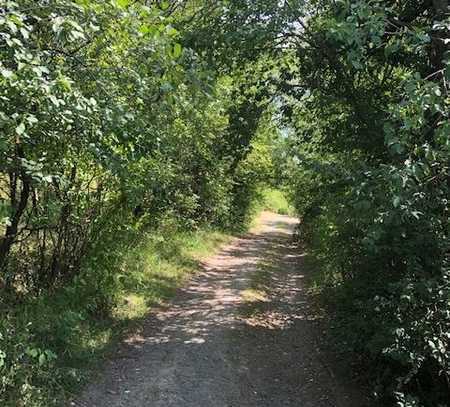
<point>243,332</point>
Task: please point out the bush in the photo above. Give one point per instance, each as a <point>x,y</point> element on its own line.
<point>50,345</point>
<point>368,173</point>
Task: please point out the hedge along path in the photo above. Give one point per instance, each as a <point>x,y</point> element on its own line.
<point>240,333</point>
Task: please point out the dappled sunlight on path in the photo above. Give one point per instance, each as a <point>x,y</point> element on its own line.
<point>212,347</point>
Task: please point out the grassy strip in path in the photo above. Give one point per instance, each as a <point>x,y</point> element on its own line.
<point>259,294</point>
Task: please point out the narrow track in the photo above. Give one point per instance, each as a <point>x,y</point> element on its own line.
<point>209,348</point>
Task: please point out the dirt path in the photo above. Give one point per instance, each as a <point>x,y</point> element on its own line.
<point>210,348</point>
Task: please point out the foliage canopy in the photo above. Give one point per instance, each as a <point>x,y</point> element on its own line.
<point>118,115</point>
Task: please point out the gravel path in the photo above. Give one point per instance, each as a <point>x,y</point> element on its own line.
<point>209,348</point>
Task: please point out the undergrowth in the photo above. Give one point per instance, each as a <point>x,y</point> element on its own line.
<point>49,345</point>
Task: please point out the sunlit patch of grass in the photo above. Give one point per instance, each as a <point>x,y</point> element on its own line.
<point>203,242</point>
<point>131,306</point>
<point>152,271</point>
<point>97,340</point>
<point>275,200</point>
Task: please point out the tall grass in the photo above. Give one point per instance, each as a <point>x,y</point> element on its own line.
<point>50,345</point>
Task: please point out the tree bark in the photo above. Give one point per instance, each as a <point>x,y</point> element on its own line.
<point>11,230</point>
<point>18,207</point>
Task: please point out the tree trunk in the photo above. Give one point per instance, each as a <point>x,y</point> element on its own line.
<point>11,230</point>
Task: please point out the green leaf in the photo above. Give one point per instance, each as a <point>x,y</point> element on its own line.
<point>32,119</point>
<point>147,29</point>
<point>6,73</point>
<point>65,83</point>
<point>177,50</point>
<point>166,87</point>
<point>32,352</point>
<point>20,129</point>
<point>171,32</point>
<point>50,355</point>
<point>123,3</point>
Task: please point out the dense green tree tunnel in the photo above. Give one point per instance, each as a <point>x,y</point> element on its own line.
<point>120,117</point>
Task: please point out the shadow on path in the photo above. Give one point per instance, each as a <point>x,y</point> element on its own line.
<point>209,348</point>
